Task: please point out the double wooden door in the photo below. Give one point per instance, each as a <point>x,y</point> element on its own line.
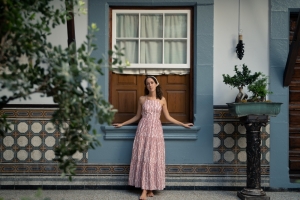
<point>125,91</point>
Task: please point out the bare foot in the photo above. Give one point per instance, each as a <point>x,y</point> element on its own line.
<point>150,193</point>
<point>143,195</point>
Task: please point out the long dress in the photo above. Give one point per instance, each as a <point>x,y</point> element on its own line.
<point>147,167</point>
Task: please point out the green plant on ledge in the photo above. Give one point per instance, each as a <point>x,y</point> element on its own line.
<point>241,78</point>
<point>259,89</point>
<point>256,82</point>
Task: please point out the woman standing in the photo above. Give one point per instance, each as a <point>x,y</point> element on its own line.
<point>147,167</point>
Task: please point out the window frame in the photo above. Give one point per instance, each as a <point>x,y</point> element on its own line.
<point>187,65</point>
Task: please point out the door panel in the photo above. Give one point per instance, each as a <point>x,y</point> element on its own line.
<point>125,91</point>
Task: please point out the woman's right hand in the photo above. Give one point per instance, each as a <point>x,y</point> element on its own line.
<point>117,125</point>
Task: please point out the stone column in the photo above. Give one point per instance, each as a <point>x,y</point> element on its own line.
<point>253,124</point>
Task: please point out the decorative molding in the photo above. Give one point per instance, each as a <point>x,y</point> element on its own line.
<point>170,132</point>
<point>94,169</point>
<point>25,113</point>
<point>224,115</point>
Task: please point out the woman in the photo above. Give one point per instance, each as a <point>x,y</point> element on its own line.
<point>147,167</point>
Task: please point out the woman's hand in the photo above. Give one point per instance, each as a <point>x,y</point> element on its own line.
<point>188,125</point>
<point>118,125</point>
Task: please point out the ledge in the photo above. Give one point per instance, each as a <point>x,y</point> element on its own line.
<point>170,132</point>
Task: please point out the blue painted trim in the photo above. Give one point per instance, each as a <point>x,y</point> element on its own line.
<point>279,126</point>
<point>170,132</point>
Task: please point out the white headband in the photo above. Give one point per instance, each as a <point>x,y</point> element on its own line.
<point>155,79</point>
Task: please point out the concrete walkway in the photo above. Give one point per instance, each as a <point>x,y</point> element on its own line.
<point>134,194</point>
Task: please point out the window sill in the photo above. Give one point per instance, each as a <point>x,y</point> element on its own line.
<point>170,132</point>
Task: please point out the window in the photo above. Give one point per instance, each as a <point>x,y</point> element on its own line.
<point>153,38</point>
<point>157,42</point>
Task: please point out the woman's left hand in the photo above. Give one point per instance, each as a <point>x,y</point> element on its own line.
<point>188,125</point>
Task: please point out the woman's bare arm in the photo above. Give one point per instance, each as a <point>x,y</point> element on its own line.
<point>171,119</point>
<point>136,117</point>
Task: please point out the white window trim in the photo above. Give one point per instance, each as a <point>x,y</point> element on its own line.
<point>158,11</point>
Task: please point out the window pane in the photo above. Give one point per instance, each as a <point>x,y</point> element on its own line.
<point>151,52</point>
<point>131,50</point>
<point>151,25</point>
<point>127,25</point>
<point>176,26</point>
<point>175,52</point>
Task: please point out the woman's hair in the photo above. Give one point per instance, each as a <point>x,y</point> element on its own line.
<point>159,93</point>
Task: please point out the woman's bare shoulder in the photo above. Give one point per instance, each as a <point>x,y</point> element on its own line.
<point>163,101</point>
<point>142,99</point>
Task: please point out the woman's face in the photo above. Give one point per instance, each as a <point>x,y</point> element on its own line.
<point>151,85</point>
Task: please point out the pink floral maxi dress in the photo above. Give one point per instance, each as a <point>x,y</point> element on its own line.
<point>147,167</point>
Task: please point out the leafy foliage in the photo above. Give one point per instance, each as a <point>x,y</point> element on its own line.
<point>257,83</point>
<point>30,64</point>
<point>241,78</point>
<point>259,89</point>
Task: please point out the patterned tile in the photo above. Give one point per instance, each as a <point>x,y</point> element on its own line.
<point>29,147</point>
<point>230,140</point>
<point>32,141</point>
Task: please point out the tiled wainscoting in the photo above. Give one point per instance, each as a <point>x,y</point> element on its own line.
<point>28,149</point>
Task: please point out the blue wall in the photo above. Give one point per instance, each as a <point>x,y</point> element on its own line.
<point>180,149</point>
<point>279,48</point>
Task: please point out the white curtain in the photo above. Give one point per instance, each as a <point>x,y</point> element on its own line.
<point>175,27</point>
<point>162,40</point>
<point>128,33</point>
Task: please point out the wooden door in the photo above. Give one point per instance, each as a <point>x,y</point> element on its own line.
<point>294,113</point>
<point>125,91</point>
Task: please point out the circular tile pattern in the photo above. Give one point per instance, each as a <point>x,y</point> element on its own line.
<point>36,155</point>
<point>22,127</point>
<point>12,127</point>
<point>242,129</point>
<point>49,127</point>
<point>268,156</point>
<point>217,128</point>
<point>268,142</point>
<point>36,127</point>
<point>8,141</point>
<point>229,142</point>
<point>49,155</point>
<point>77,155</point>
<point>229,128</point>
<point>217,142</point>
<point>267,129</point>
<point>22,141</point>
<point>36,141</point>
<point>229,156</point>
<point>8,155</point>
<point>217,156</point>
<point>50,141</point>
<point>22,155</point>
<point>242,156</point>
<point>242,142</point>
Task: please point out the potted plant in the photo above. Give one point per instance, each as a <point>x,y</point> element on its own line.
<point>240,80</point>
<point>257,84</point>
